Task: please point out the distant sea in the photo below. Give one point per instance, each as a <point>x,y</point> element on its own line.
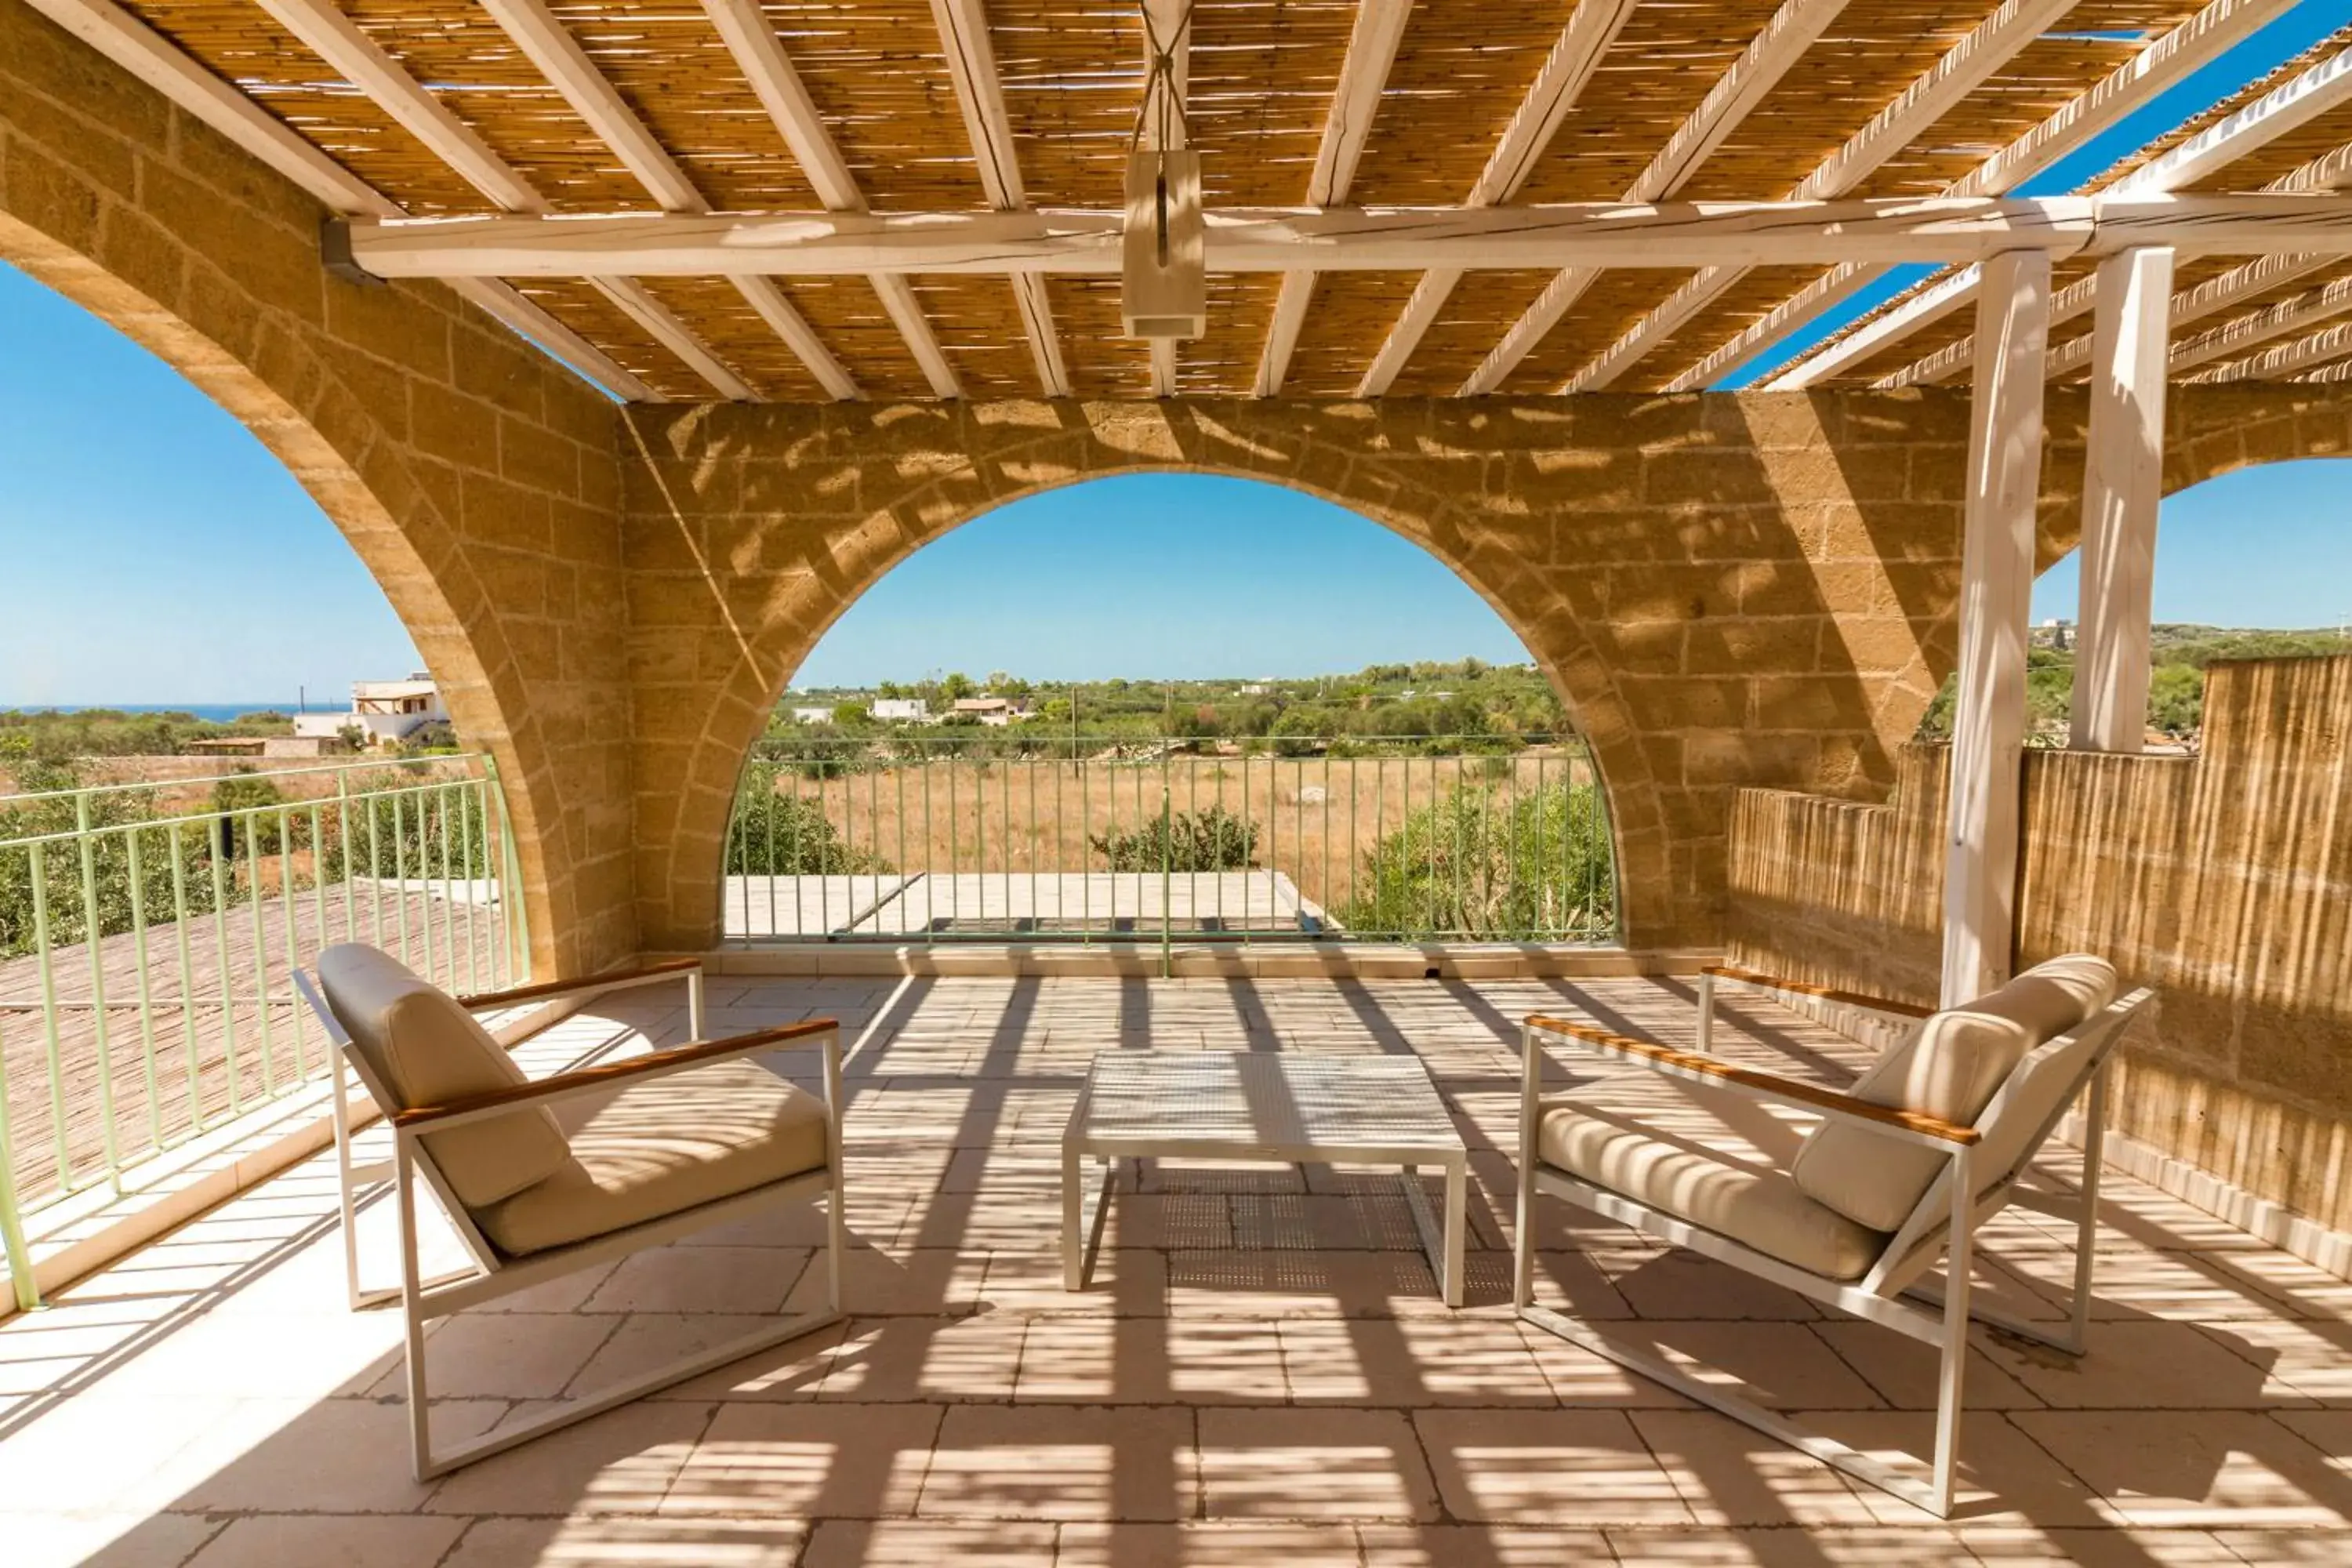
<point>218,712</point>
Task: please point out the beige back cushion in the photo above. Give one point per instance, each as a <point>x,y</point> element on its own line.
<point>427,1050</point>
<point>1949,1068</point>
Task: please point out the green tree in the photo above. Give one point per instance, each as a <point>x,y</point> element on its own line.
<point>1295,728</point>
<point>1488,865</point>
<point>955,686</point>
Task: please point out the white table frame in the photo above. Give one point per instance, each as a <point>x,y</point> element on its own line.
<point>1086,1203</point>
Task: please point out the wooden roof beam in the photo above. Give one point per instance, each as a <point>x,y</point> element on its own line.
<point>2222,25</point>
<point>559,57</point>
<point>188,82</point>
<point>1276,240</point>
<point>2290,106</point>
<point>335,38</point>
<point>1591,27</point>
<point>972,63</point>
<point>1355,101</point>
<point>2325,86</point>
<point>743,26</point>
<point>1963,67</point>
<point>1790,32</point>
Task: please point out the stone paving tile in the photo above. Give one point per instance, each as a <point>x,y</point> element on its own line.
<point>1061,1462</point>
<point>1550,1468</point>
<point>1260,1374</point>
<point>1339,1464</point>
<point>270,1540</point>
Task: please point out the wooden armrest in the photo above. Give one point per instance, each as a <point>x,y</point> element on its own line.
<point>610,978</point>
<point>1826,993</point>
<point>1688,1064</point>
<point>607,1073</point>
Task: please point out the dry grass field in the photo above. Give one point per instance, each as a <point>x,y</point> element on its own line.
<point>1317,817</point>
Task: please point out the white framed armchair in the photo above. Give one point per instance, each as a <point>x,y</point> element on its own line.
<point>1847,1198</point>
<point>645,1150</point>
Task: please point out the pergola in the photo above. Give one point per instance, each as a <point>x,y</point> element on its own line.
<point>790,203</point>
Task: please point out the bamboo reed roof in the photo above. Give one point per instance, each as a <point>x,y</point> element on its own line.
<point>1262,75</point>
<point>2315,154</point>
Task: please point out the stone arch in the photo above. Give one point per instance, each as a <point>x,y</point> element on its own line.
<point>1582,683</point>
<point>752,529</point>
<point>434,439</point>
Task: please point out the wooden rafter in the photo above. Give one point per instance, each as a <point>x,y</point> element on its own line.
<point>1791,30</point>
<point>2237,338</point>
<point>335,38</point>
<point>169,70</point>
<point>1965,66</point>
<point>743,26</point>
<point>2288,359</point>
<point>1355,101</point>
<point>972,62</point>
<point>2220,26</point>
<point>1591,27</point>
<point>560,59</point>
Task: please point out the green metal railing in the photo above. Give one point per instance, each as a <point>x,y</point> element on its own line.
<point>149,932</point>
<point>1011,836</point>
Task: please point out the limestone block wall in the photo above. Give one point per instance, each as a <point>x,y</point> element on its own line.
<point>477,480</point>
<point>2225,880</point>
<point>1727,591</point>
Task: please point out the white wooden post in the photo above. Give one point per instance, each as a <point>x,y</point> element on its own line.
<point>2123,480</point>
<point>2004,482</point>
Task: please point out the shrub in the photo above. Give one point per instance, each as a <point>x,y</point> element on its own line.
<point>787,835</point>
<point>1211,840</point>
<point>1493,866</point>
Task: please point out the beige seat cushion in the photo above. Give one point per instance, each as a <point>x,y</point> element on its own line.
<point>430,1051</point>
<point>661,1146</point>
<point>1951,1068</point>
<point>1716,1159</point>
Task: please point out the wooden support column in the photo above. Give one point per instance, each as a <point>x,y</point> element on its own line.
<point>2004,482</point>
<point>2123,480</point>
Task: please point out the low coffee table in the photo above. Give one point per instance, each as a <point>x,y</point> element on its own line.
<point>1280,1108</point>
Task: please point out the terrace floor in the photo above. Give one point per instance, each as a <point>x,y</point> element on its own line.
<point>1261,1375</point>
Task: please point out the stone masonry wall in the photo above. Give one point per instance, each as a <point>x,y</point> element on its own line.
<point>1725,591</point>
<point>2225,880</point>
<point>476,479</point>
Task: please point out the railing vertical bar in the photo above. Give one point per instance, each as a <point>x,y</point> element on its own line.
<point>223,843</point>
<point>375,874</point>
<point>1380,818</point>
<point>252,818</point>
<point>287,909</point>
<point>1036,908</point>
<point>474,825</point>
<point>135,864</point>
<point>761,780</point>
<point>343,853</point>
<point>197,1117</point>
<point>898,789</point>
<point>400,874</point>
<point>318,876</point>
<point>93,940</point>
<point>37,859</point>
<point>19,1257</point>
<point>440,799</point>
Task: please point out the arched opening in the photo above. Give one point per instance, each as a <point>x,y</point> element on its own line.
<point>1163,708</point>
<point>2250,564</point>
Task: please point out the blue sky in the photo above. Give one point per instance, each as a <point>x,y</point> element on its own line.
<point>155,553</point>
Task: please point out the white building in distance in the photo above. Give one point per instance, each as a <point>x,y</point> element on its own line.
<point>388,711</point>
